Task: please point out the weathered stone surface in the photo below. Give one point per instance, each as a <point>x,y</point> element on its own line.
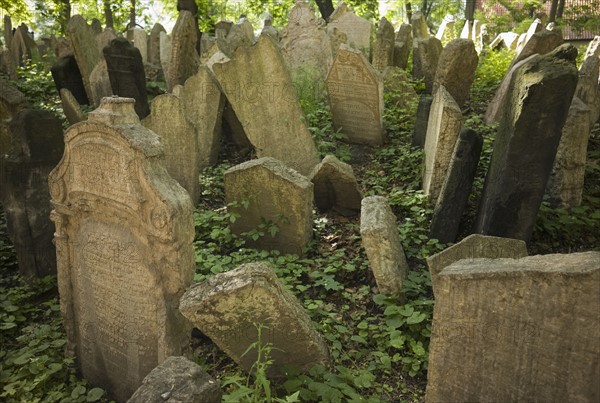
<point>422,120</point>
<point>22,46</point>
<point>305,45</point>
<point>165,51</point>
<point>12,101</point>
<point>256,76</point>
<point>587,86</point>
<point>100,83</point>
<point>179,139</point>
<point>516,330</point>
<point>233,131</point>
<point>177,380</point>
<point>184,59</point>
<point>380,238</point>
<point>335,187</point>
<point>455,191</point>
<point>337,38</point>
<point>154,44</point>
<point>7,31</point>
<point>265,190</point>
<point>402,46</point>
<point>96,26</point>
<point>565,185</point>
<point>65,73</point>
<point>63,47</point>
<point>36,146</point>
<point>203,106</point>
<point>139,40</point>
<point>505,39</point>
<point>104,39</point>
<point>400,91</point>
<point>355,91</point>
<point>593,48</point>
<point>124,232</point>
<point>227,306</point>
<point>8,64</point>
<point>269,29</point>
<point>383,49</point>
<point>85,50</point>
<point>443,127</point>
<point>419,26</point>
<point>357,29</point>
<point>535,111</point>
<point>456,69</point>
<point>541,42</point>
<point>71,107</point>
<point>426,54</point>
<point>240,35</point>
<point>126,73</point>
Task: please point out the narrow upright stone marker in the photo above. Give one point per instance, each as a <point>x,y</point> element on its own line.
<point>402,46</point>
<point>228,306</point>
<point>380,238</point>
<point>184,60</point>
<point>383,50</point>
<point>70,106</point>
<point>422,120</point>
<point>124,232</point>
<point>426,55</point>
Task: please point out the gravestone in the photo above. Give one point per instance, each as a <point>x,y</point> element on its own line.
<point>7,31</point>
<point>467,31</point>
<point>240,35</point>
<point>256,76</point>
<point>443,127</point>
<point>508,330</point>
<point>587,86</point>
<point>22,46</point>
<point>124,232</point>
<point>305,45</point>
<point>400,91</point>
<point>383,49</point>
<point>455,190</point>
<point>184,59</point>
<point>85,50</point>
<point>419,26</point>
<point>35,148</point>
<point>8,64</point>
<point>422,120</point>
<point>380,238</point>
<point>267,191</point>
<point>126,73</point>
<point>65,73</point>
<point>402,46</point>
<point>179,139</point>
<point>337,38</point>
<point>593,48</point>
<point>541,42</point>
<point>139,39</point>
<point>100,83</point>
<point>535,111</point>
<point>71,107</point>
<point>226,307</point>
<point>335,187</point>
<point>357,29</point>
<point>356,97</point>
<point>63,47</point>
<point>505,39</point>
<point>165,51</point>
<point>96,26</point>
<point>426,54</point>
<point>179,380</point>
<point>536,26</point>
<point>104,39</point>
<point>154,44</point>
<point>565,185</point>
<point>203,106</point>
<point>12,101</point>
<point>269,29</point>
<point>456,69</point>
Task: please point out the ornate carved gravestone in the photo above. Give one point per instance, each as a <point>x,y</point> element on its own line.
<point>124,231</point>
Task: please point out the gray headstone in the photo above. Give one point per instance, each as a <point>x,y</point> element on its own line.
<point>85,49</point>
<point>336,187</point>
<point>541,42</point>
<point>100,83</point>
<point>184,59</point>
<point>426,54</point>
<point>154,44</point>
<point>139,39</point>
<point>423,110</point>
<point>456,69</point>
<point>402,46</point>
<point>383,49</point>
<point>357,29</point>
<point>104,39</point>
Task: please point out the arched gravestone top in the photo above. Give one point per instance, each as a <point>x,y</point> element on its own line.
<point>124,232</point>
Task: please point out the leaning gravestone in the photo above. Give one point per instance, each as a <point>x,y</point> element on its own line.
<point>124,232</point>
<point>402,45</point>
<point>380,238</point>
<point>443,127</point>
<point>523,330</point>
<point>71,107</point>
<point>65,73</point>
<point>100,83</point>
<point>383,50</point>
<point>541,43</point>
<point>36,147</point>
<point>179,139</point>
<point>336,187</point>
<point>266,191</point>
<point>422,120</point>
<point>455,191</point>
<point>456,69</point>
<point>357,29</point>
<point>445,32</point>
<point>85,50</point>
<point>184,60</point>
<point>535,111</point>
<point>139,40</point>
<point>256,76</point>
<point>228,306</point>
<point>426,54</point>
<point>356,97</point>
<point>126,73</point>
<point>587,86</point>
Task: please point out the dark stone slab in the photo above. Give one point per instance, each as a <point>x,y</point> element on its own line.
<point>66,74</point>
<point>422,120</point>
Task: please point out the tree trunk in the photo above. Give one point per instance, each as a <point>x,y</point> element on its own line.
<point>65,15</point>
<point>408,7</point>
<point>132,15</point>
<point>553,7</point>
<point>470,10</point>
<point>108,15</point>
<point>325,7</point>
<point>560,8</point>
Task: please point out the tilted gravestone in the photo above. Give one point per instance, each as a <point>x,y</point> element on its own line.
<point>65,73</point>
<point>541,42</point>
<point>426,54</point>
<point>266,192</point>
<point>456,188</point>
<point>258,86</point>
<point>443,127</point>
<point>335,187</point>
<point>85,50</point>
<point>36,147</point>
<point>203,105</point>
<point>380,238</point>
<point>402,46</point>
<point>383,49</point>
<point>535,111</point>
<point>422,120</point>
<point>184,60</point>
<point>179,139</point>
<point>228,306</point>
<point>126,73</point>
<point>508,330</point>
<point>356,97</point>
<point>71,107</point>
<point>124,232</point>
<point>456,69</point>
<point>154,44</point>
<point>357,29</point>
<point>445,32</point>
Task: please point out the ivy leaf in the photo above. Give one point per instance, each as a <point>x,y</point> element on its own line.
<point>94,395</point>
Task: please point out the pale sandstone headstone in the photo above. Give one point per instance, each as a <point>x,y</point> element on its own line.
<point>335,187</point>
<point>86,52</point>
<point>380,238</point>
<point>587,86</point>
<point>541,42</point>
<point>426,54</point>
<point>467,31</point>
<point>402,46</point>
<point>240,35</point>
<point>355,91</point>
<point>267,191</point>
<point>103,40</point>
<point>456,69</point>
<point>508,330</point>
<point>228,306</point>
<point>139,39</point>
<point>165,51</point>
<point>124,232</point>
<point>383,49</point>
<point>258,86</point>
<point>179,139</point>
<point>71,107</point>
<point>443,127</point>
<point>99,83</point>
<point>357,29</point>
<point>154,44</point>
<point>184,60</point>
<point>337,38</point>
